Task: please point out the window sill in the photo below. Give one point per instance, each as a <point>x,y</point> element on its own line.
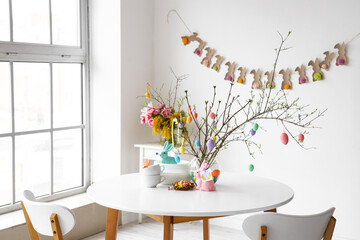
<point>16,218</point>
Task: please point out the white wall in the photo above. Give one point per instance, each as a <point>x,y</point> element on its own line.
<point>105,88</point>
<point>136,71</point>
<point>246,32</point>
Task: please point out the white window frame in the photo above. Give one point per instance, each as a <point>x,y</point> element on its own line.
<point>48,53</point>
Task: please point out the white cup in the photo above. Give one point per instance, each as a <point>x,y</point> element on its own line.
<point>151,181</point>
<point>153,170</point>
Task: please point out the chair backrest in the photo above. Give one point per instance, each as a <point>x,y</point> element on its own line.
<point>285,227</point>
<point>40,212</point>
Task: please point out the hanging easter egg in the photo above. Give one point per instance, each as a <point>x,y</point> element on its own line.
<point>197,142</point>
<point>251,167</point>
<point>214,138</point>
<point>210,144</point>
<point>301,137</point>
<point>255,126</point>
<point>216,173</point>
<point>212,115</point>
<point>195,115</point>
<point>317,76</point>
<point>252,132</point>
<point>192,174</point>
<point>189,119</point>
<point>284,138</point>
<point>177,158</point>
<point>147,94</point>
<point>182,150</point>
<point>215,179</point>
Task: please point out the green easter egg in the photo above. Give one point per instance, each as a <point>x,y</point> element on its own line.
<point>255,126</point>
<point>251,167</point>
<point>192,174</point>
<point>317,76</point>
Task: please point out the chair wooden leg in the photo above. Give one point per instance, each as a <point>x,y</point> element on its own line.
<point>263,233</point>
<point>55,225</point>
<point>168,227</point>
<point>33,234</point>
<point>271,210</point>
<point>330,229</point>
<point>206,231</point>
<point>112,221</point>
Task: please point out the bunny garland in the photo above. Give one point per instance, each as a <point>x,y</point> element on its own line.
<point>256,84</point>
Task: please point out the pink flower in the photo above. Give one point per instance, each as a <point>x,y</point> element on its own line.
<point>157,111</point>
<point>151,122</point>
<point>150,110</point>
<point>160,106</point>
<point>142,119</point>
<point>166,113</point>
<point>147,118</point>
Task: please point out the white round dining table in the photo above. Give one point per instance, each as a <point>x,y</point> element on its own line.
<point>235,194</point>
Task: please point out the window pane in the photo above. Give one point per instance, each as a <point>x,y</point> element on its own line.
<point>32,96</point>
<point>32,164</point>
<point>65,22</point>
<point>5,171</point>
<point>67,159</point>
<point>31,21</point>
<point>67,94</point>
<point>4,21</point>
<point>5,98</point>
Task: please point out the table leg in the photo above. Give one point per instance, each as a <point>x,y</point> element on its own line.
<point>206,232</point>
<point>168,227</point>
<point>112,221</point>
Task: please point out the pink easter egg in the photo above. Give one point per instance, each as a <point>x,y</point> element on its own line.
<point>341,61</point>
<point>197,52</point>
<point>302,80</point>
<point>284,138</point>
<point>301,137</point>
<point>212,115</point>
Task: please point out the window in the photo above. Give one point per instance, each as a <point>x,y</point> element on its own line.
<point>43,99</point>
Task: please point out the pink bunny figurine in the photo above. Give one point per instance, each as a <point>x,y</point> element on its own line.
<point>198,179</point>
<point>203,185</point>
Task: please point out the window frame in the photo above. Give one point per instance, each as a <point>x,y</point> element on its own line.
<point>47,53</point>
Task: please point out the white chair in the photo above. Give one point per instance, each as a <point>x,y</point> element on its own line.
<point>46,218</point>
<point>275,226</point>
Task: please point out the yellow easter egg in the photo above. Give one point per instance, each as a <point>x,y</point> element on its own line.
<point>182,150</point>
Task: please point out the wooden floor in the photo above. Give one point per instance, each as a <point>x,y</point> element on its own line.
<point>152,230</point>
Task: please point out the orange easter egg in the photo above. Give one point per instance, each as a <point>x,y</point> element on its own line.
<point>301,137</point>
<point>212,115</point>
<point>216,173</point>
<point>195,115</point>
<point>189,119</point>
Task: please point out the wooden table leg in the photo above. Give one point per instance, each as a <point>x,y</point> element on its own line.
<point>206,232</point>
<point>168,227</point>
<point>112,221</point>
